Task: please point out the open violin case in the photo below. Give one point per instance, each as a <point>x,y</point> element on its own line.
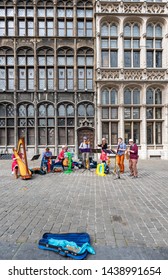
<point>73,245</point>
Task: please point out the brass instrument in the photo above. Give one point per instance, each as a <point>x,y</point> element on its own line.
<point>25,173</point>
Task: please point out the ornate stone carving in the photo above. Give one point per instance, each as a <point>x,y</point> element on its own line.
<point>155,8</point>
<point>133,8</point>
<point>133,74</point>
<point>110,8</point>
<point>110,74</point>
<point>155,75</point>
<point>86,122</point>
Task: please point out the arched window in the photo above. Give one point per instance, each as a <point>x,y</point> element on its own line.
<point>65,18</point>
<point>6,69</point>
<point>26,123</point>
<point>25,17</point>
<point>46,124</point>
<point>85,63</point>
<point>131,45</point>
<point>6,124</point>
<point>45,18</point>
<point>86,114</point>
<point>25,62</point>
<point>66,123</point>
<point>84,19</point>
<point>154,45</point>
<point>132,114</point>
<point>109,97</point>
<point>45,61</point>
<point>65,69</point>
<point>109,45</point>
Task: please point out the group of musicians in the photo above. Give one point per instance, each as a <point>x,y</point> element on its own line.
<point>131,152</point>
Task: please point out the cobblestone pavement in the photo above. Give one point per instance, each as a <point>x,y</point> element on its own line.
<point>126,219</point>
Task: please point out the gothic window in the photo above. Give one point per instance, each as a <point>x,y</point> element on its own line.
<point>65,18</point>
<point>154,116</point>
<point>154,45</point>
<point>86,114</point>
<point>26,122</point>
<point>109,103</point>
<point>131,45</point>
<point>66,123</point>
<point>85,62</point>
<point>109,97</point>
<point>46,124</point>
<point>25,62</point>
<point>132,114</point>
<point>25,17</point>
<point>45,18</point>
<point>84,19</point>
<point>109,45</point>
<point>65,69</point>
<point>6,69</point>
<point>6,20</point>
<point>45,62</point>
<point>6,124</point>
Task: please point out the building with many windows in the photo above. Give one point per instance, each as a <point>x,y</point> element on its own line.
<point>75,68</point>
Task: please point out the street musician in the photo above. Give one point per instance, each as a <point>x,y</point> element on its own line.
<point>85,149</point>
<point>46,161</point>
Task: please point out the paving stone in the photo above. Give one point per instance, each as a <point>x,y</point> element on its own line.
<point>127,219</point>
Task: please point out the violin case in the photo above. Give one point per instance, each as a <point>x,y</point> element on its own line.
<point>78,238</point>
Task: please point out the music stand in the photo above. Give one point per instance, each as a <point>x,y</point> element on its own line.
<point>53,157</point>
<point>96,151</point>
<point>35,157</point>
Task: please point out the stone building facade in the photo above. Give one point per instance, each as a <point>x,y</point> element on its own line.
<point>75,68</point>
<point>132,74</point>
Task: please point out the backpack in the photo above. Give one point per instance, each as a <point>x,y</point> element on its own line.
<point>106,169</point>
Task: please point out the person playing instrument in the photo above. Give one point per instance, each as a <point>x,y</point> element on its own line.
<point>103,145</point>
<point>133,151</point>
<point>120,154</point>
<point>45,158</point>
<point>85,144</point>
<point>61,155</point>
<point>15,167</point>
<point>103,155</point>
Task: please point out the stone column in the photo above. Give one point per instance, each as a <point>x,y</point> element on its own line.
<point>143,126</point>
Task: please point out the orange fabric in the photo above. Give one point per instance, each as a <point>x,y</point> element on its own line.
<point>120,162</point>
